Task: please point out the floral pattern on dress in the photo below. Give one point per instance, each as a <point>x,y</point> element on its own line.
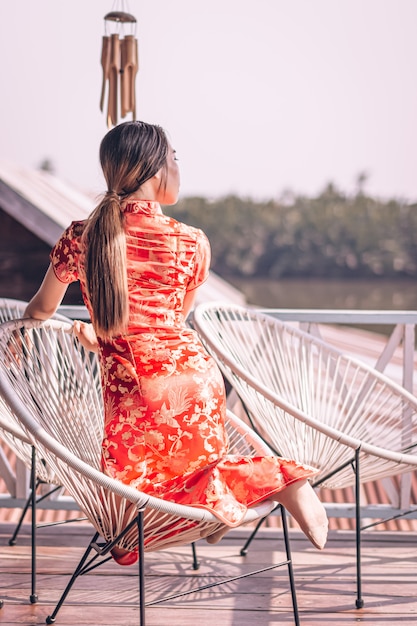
<point>164,396</point>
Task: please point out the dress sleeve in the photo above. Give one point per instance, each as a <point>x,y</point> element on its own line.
<point>64,255</point>
<point>202,261</point>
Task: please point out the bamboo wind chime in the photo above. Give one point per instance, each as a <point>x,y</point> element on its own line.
<point>119,59</point>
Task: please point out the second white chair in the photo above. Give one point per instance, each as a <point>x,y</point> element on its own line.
<point>311,402</point>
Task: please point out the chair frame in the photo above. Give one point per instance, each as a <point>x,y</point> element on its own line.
<point>15,438</point>
<point>10,433</point>
<point>28,406</point>
<point>211,319</point>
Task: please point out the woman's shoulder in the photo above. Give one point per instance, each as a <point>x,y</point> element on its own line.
<point>71,237</point>
<point>74,230</point>
<point>194,231</point>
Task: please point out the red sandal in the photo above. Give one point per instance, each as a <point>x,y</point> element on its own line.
<point>124,558</point>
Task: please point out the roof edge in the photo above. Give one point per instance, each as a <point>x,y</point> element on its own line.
<point>28,214</point>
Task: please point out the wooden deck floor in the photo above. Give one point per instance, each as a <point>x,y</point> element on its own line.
<point>108,596</point>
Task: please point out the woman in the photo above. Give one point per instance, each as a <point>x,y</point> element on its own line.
<point>163,394</point>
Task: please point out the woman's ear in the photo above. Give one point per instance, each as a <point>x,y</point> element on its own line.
<point>158,176</point>
<point>149,190</point>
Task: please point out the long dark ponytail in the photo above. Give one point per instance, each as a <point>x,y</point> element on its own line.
<point>130,154</point>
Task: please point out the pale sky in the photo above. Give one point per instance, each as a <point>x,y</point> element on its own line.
<point>257,96</point>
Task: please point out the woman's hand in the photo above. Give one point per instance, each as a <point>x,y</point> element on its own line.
<point>86,335</point>
<point>18,346</point>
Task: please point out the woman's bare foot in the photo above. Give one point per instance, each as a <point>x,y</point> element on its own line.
<point>302,503</point>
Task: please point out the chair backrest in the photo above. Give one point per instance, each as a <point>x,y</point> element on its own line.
<point>310,401</point>
<point>50,383</point>
<point>11,309</point>
<point>59,383</point>
<point>10,432</point>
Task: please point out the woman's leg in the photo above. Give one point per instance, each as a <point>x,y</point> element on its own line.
<point>302,503</point>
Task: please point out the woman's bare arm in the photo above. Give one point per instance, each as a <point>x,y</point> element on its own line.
<point>48,297</point>
<point>188,302</point>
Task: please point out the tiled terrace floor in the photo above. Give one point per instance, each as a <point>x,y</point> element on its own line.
<point>108,595</point>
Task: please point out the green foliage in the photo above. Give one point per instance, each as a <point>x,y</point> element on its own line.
<point>333,235</point>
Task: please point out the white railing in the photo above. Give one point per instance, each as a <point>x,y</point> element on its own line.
<point>396,357</point>
<point>400,340</point>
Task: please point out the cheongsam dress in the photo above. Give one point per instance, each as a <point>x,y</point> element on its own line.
<point>164,396</point>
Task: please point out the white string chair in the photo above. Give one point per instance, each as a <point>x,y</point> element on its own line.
<point>312,403</point>
<point>19,444</point>
<point>46,380</point>
<point>13,436</point>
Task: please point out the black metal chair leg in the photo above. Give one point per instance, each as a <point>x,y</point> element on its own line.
<point>51,618</point>
<point>141,569</point>
<point>359,599</point>
<point>196,562</point>
<point>33,595</point>
<point>13,538</point>
<point>290,567</point>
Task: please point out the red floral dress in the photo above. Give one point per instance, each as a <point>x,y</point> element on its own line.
<point>164,396</point>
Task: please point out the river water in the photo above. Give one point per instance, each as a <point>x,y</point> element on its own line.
<point>378,294</point>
